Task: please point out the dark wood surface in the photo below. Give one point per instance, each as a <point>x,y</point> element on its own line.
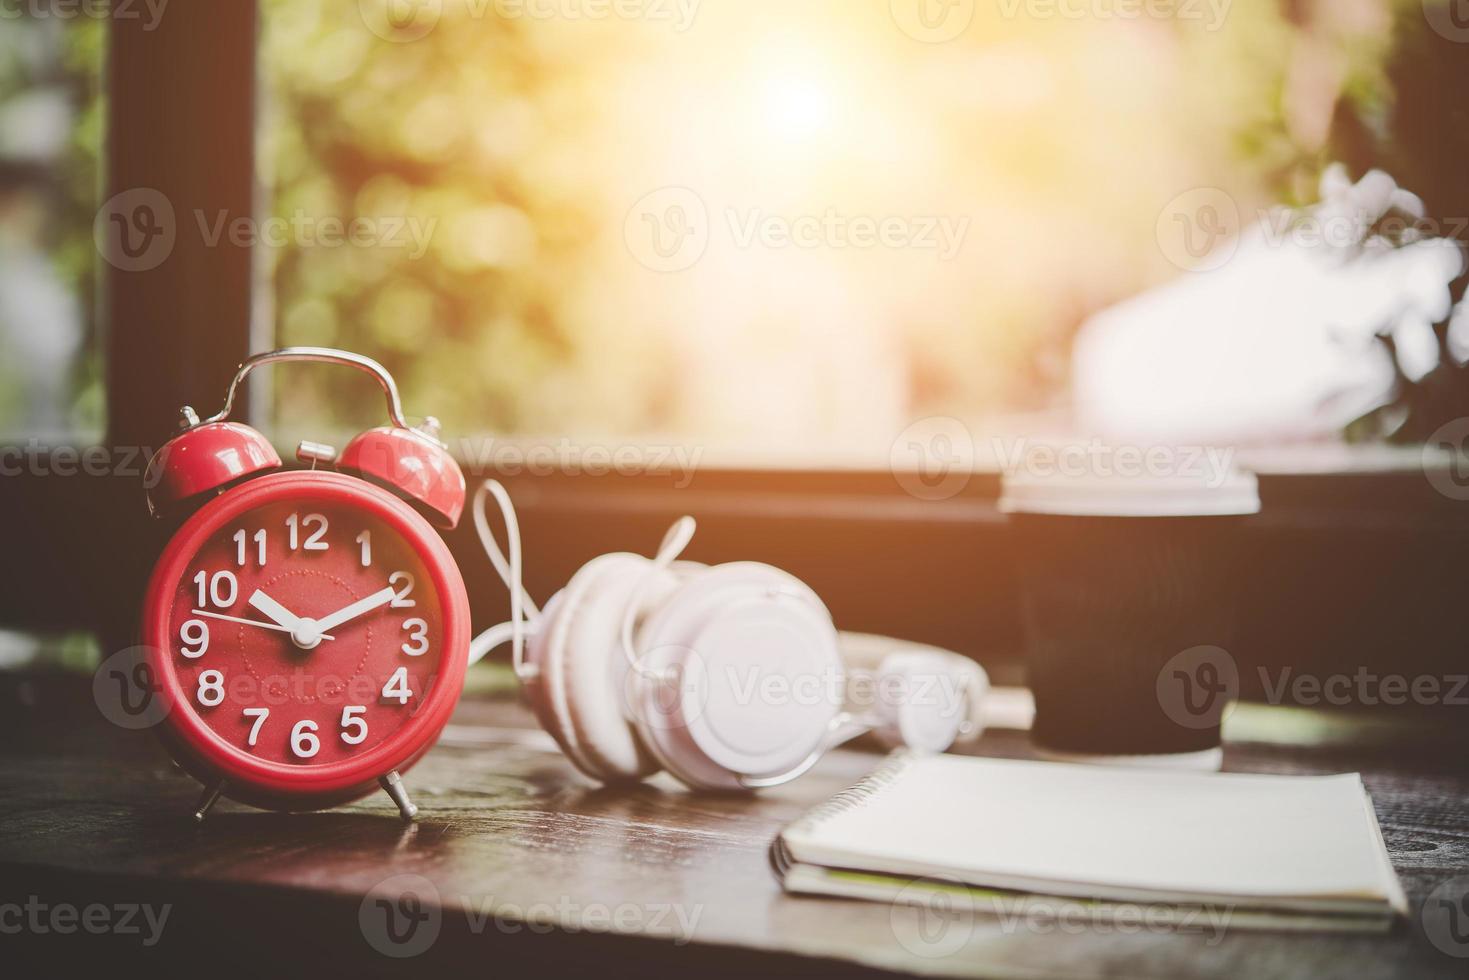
<point>533,865</point>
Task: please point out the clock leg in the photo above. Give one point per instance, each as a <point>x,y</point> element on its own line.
<point>392,784</point>
<point>207,801</point>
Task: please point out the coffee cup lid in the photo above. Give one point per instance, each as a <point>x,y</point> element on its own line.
<point>1121,483</point>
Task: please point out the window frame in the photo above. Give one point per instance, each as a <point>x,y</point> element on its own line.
<point>180,104</point>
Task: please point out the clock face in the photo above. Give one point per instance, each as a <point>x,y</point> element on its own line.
<point>305,631</point>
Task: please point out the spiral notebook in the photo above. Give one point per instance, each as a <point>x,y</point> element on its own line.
<point>1279,852</point>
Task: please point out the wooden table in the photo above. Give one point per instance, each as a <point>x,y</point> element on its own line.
<point>535,868</point>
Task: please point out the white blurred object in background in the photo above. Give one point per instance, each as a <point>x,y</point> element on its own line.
<point>1278,342</point>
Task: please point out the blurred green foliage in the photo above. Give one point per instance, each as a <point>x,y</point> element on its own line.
<point>1056,136</point>
<point>50,77</point>
<point>514,147</point>
<point>447,135</point>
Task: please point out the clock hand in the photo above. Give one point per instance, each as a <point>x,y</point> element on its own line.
<point>251,622</point>
<point>361,606</point>
<point>306,633</point>
<point>278,613</point>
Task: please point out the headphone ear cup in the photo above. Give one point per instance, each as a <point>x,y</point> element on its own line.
<point>536,688</point>
<point>919,704</point>
<point>976,683</point>
<point>594,670</point>
<point>578,693</point>
<point>918,696</point>
<point>736,655</point>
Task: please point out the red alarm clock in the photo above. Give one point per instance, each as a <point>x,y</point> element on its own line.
<point>307,630</point>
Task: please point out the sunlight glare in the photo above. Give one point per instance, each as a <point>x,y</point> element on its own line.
<point>797,107</point>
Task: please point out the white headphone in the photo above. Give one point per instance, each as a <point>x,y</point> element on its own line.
<point>730,677</point>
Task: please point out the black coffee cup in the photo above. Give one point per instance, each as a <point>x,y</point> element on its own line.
<point>1128,608</point>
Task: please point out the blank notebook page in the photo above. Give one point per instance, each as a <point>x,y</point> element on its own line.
<point>1211,834</point>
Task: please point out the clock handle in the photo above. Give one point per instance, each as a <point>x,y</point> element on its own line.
<point>410,460</point>
<point>320,355</point>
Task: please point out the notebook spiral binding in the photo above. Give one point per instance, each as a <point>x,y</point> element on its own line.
<point>860,792</point>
